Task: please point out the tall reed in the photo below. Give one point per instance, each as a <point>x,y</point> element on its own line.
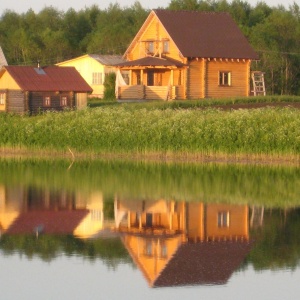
<point>266,131</point>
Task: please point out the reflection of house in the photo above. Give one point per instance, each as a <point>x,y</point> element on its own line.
<point>187,55</point>
<point>31,89</point>
<point>207,244</point>
<point>22,211</point>
<point>93,68</point>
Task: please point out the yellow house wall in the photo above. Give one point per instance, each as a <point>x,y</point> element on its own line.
<point>238,220</point>
<point>86,66</point>
<point>239,79</point>
<point>7,82</point>
<point>154,31</point>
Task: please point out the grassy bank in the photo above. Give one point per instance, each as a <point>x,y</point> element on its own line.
<point>182,132</point>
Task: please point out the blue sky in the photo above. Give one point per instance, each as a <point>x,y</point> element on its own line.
<point>21,6</point>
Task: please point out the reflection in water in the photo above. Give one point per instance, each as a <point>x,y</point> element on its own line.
<point>133,214</point>
<point>172,243</point>
<point>179,243</point>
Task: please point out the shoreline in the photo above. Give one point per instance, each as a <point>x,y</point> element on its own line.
<point>158,157</point>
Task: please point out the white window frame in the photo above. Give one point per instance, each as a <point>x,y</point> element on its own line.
<point>47,101</point>
<point>2,98</point>
<point>97,78</point>
<point>64,101</point>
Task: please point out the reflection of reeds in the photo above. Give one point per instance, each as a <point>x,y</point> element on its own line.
<point>123,130</point>
<point>262,185</point>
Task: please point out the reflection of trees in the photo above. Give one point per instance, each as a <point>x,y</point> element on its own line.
<point>277,242</point>
<point>47,247</point>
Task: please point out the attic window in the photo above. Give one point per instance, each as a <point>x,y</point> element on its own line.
<point>150,47</point>
<point>224,78</point>
<point>40,71</point>
<point>166,46</point>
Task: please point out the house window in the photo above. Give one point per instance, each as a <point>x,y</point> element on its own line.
<point>47,101</point>
<point>224,78</point>
<point>97,78</point>
<point>64,101</point>
<point>2,98</point>
<point>223,219</point>
<point>150,47</point>
<point>166,46</point>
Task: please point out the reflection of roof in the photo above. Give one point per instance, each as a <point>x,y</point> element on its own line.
<point>53,222</point>
<point>203,263</point>
<point>152,62</point>
<point>48,79</point>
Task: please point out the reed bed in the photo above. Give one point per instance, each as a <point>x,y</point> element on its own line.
<point>121,129</point>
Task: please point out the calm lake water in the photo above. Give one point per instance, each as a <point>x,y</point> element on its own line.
<point>123,230</point>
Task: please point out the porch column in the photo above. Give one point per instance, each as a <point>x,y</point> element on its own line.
<point>130,77</point>
<point>142,76</point>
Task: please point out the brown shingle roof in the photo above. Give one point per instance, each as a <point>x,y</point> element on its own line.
<point>206,34</point>
<point>151,61</point>
<point>47,79</point>
<point>203,263</point>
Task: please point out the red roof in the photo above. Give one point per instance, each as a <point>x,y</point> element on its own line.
<point>206,34</point>
<point>51,222</point>
<point>46,79</point>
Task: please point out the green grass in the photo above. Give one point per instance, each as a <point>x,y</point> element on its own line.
<point>126,130</point>
<point>201,103</point>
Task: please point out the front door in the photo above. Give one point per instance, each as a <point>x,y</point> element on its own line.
<point>150,78</point>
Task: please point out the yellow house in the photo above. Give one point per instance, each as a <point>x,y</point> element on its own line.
<point>93,68</point>
<point>187,55</point>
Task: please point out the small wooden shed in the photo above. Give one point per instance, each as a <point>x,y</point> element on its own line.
<point>187,55</point>
<point>33,89</point>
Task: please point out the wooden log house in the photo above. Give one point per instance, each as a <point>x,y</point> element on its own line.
<point>187,55</point>
<point>33,89</point>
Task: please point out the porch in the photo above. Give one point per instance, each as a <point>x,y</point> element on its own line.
<point>151,78</point>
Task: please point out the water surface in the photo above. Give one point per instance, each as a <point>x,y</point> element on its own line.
<point>103,230</point>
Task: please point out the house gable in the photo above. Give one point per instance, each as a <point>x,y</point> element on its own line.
<point>7,81</point>
<point>152,31</point>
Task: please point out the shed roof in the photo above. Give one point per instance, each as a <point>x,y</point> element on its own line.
<point>52,78</point>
